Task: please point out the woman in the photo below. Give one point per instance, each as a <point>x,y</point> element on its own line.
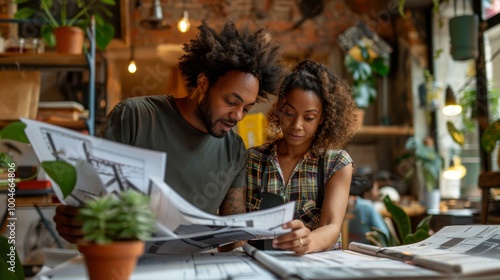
<point>313,119</point>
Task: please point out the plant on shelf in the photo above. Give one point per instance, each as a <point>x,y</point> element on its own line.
<point>114,228</point>
<point>421,154</point>
<point>73,15</point>
<point>364,64</point>
<point>404,233</point>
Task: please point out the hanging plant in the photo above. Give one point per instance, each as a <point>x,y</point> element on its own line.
<point>364,64</point>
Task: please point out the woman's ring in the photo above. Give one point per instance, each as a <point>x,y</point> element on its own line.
<point>300,242</point>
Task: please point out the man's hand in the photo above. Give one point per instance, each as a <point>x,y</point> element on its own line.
<point>67,225</point>
<point>231,246</point>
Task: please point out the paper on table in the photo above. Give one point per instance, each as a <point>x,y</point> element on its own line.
<point>336,264</point>
<point>118,166</point>
<point>466,249</point>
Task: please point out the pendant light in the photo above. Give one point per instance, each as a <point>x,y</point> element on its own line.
<point>183,24</point>
<point>131,66</point>
<point>451,108</point>
<point>456,170</point>
<point>156,20</point>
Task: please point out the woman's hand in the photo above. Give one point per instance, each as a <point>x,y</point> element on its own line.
<point>298,240</point>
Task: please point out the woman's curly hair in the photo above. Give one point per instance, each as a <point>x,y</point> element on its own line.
<point>216,53</point>
<point>339,118</point>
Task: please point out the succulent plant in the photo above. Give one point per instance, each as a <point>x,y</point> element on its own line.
<point>123,217</point>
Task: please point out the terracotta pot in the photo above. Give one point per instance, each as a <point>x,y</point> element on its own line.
<point>116,260</point>
<point>69,40</point>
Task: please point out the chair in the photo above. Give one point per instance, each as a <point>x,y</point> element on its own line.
<point>487,180</point>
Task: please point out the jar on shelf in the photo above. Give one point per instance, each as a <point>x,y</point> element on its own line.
<point>15,45</point>
<point>34,45</point>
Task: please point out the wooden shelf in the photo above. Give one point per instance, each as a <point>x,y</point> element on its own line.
<point>383,130</point>
<point>43,60</point>
<point>76,125</point>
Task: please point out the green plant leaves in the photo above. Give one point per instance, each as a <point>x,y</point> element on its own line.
<point>48,36</point>
<point>380,66</point>
<point>63,173</point>
<point>8,264</point>
<point>14,131</point>
<point>104,35</point>
<point>399,216</point>
<point>456,135</point>
<point>403,223</point>
<point>104,30</point>
<point>490,137</point>
<point>362,67</point>
<point>123,217</point>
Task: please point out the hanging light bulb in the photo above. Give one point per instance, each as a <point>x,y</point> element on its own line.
<point>131,66</point>
<point>451,108</point>
<point>183,25</point>
<point>456,170</point>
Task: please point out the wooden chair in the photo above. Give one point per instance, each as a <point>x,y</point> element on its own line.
<point>487,180</point>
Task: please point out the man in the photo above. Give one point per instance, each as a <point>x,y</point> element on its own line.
<point>227,72</point>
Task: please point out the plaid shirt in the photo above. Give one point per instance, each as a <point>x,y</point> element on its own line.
<point>302,186</point>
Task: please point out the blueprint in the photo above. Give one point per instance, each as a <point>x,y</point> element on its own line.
<point>104,167</point>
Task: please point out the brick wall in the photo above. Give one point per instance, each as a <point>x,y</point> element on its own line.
<point>314,37</point>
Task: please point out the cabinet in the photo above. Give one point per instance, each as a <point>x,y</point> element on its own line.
<point>60,62</point>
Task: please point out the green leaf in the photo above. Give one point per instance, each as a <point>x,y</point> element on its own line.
<point>14,131</point>
<point>379,66</point>
<point>425,224</point>
<point>10,267</point>
<point>108,2</point>
<point>418,236</point>
<point>456,135</point>
<point>401,8</point>
<point>48,35</point>
<point>104,35</point>
<point>63,173</point>
<point>24,13</point>
<point>399,216</point>
<point>490,137</point>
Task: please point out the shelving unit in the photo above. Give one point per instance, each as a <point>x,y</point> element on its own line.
<point>60,62</point>
<point>378,130</point>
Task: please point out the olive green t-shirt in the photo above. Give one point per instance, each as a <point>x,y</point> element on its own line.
<point>200,167</point>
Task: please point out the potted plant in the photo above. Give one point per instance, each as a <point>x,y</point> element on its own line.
<point>364,64</point>
<point>404,228</point>
<point>72,18</point>
<point>423,155</point>
<point>114,228</point>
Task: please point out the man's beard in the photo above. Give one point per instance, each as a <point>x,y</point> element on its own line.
<point>204,114</point>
